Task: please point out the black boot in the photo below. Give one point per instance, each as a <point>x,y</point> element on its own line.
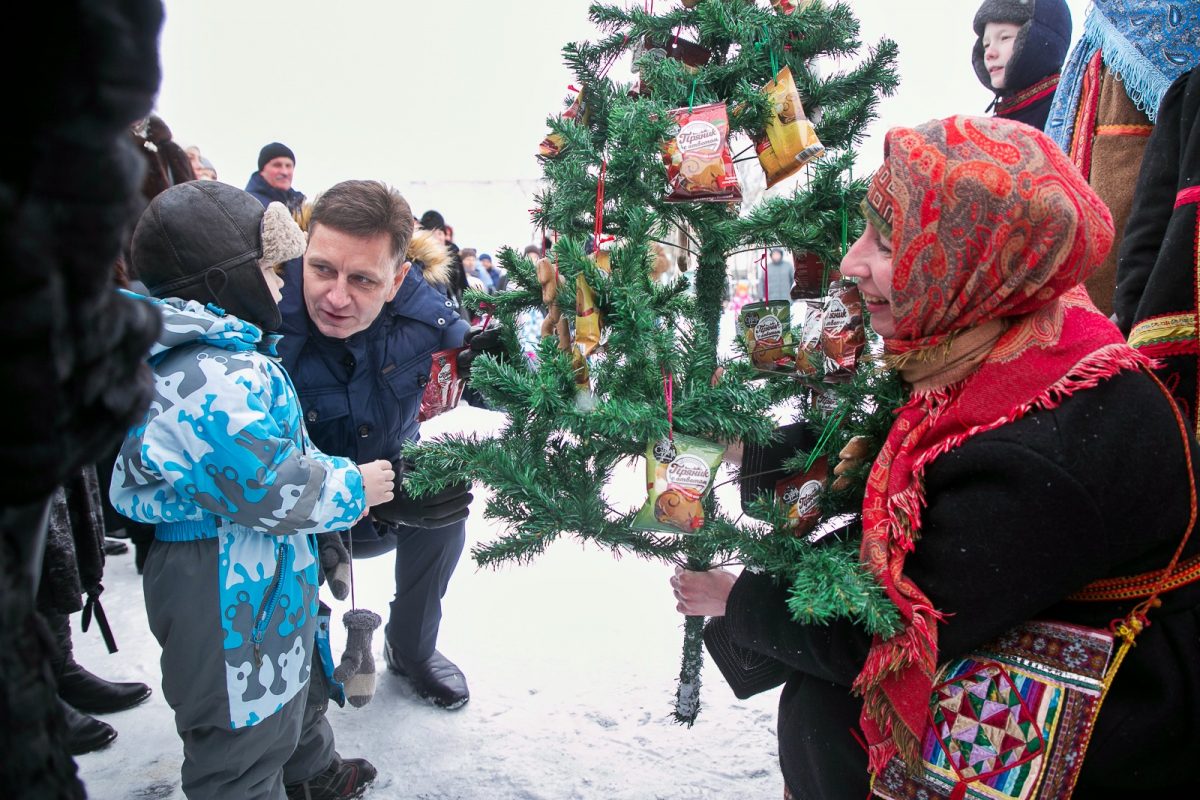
<point>84,733</point>
<point>82,689</point>
<point>437,678</point>
<point>343,779</point>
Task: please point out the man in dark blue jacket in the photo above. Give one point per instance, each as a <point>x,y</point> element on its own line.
<point>360,325</point>
<point>273,181</point>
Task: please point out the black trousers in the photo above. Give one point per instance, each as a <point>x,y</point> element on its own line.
<point>425,560</point>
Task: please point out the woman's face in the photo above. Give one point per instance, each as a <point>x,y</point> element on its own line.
<point>998,41</point>
<point>870,261</point>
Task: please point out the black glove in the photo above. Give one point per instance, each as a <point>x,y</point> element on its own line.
<point>450,505</point>
<point>479,341</point>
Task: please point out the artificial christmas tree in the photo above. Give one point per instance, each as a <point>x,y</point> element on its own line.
<point>629,368</point>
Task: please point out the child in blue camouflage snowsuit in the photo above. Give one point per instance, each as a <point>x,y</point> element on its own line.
<point>224,468</point>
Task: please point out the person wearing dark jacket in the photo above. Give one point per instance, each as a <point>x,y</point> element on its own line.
<point>1018,54</point>
<point>1006,490</point>
<point>360,326</point>
<point>273,181</point>
<point>1107,102</point>
<point>433,221</point>
<point>73,371</point>
<point>73,567</point>
<point>1157,270</point>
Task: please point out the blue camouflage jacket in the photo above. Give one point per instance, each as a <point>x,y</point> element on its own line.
<point>361,395</point>
<point>223,453</point>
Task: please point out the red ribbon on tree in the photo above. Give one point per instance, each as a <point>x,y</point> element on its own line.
<point>669,394</point>
<point>766,276</point>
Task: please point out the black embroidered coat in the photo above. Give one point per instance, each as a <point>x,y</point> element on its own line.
<point>1018,518</point>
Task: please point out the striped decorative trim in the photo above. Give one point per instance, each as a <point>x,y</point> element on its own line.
<point>1043,88</point>
<point>1085,120</point>
<point>1124,130</point>
<point>1168,328</point>
<point>1188,196</point>
<point>1136,586</point>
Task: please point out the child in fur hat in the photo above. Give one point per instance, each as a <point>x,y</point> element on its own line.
<point>1019,50</point>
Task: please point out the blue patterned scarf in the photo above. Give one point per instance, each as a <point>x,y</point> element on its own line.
<point>1146,43</point>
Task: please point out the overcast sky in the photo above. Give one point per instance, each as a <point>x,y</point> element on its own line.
<point>447,101</point>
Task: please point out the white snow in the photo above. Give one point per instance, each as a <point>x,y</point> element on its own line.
<point>571,661</point>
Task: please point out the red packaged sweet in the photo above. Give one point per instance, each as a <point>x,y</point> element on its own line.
<point>445,387</point>
<point>799,494</point>
<point>699,163</point>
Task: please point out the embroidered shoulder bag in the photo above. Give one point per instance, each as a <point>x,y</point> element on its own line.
<point>1012,720</point>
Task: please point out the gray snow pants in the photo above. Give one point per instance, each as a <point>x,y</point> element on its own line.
<point>219,763</point>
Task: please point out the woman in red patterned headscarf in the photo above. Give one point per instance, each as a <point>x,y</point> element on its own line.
<point>1017,473</point>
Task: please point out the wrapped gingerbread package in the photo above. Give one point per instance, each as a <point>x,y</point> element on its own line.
<point>445,387</point>
<point>790,140</point>
<point>679,475</point>
<point>767,330</point>
<point>810,355</point>
<point>843,335</point>
<point>799,494</point>
<point>699,164</point>
<point>808,275</point>
<point>552,145</point>
<point>690,54</point>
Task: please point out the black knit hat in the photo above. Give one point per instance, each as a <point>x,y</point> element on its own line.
<point>272,151</point>
<point>202,240</point>
<point>433,221</point>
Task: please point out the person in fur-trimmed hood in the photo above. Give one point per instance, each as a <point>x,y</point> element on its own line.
<point>1019,50</point>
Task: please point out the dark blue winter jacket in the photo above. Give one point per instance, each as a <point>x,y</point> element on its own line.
<point>266,194</point>
<point>361,395</point>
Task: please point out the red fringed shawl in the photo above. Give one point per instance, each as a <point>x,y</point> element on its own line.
<point>990,221</point>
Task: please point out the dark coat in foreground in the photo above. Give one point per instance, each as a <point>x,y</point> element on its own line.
<point>1018,518</point>
<point>1158,266</point>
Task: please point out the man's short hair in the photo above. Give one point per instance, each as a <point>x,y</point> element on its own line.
<point>365,209</point>
<point>467,251</point>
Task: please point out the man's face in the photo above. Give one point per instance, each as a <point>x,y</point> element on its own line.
<point>348,279</point>
<point>486,263</point>
<point>278,173</point>
<point>439,234</point>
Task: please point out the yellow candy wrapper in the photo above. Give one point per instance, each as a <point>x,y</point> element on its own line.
<point>790,140</point>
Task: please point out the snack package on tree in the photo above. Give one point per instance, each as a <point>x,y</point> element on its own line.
<point>808,277</point>
<point>587,316</point>
<point>552,145</point>
<point>843,335</point>
<point>699,163</point>
<point>809,352</point>
<point>445,386</point>
<point>767,330</point>
<point>690,54</point>
<point>790,6</point>
<point>679,475</point>
<point>799,493</point>
<point>553,322</point>
<point>789,141</point>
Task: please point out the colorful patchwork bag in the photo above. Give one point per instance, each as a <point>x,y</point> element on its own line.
<point>1012,720</point>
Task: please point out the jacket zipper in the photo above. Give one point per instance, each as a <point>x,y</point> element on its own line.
<point>267,608</point>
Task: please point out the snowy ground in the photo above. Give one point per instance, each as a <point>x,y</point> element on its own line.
<point>571,661</point>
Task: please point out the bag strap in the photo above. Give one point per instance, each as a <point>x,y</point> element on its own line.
<point>1149,585</point>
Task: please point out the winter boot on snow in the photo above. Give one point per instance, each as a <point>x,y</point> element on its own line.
<point>84,733</point>
<point>343,779</point>
<point>80,688</point>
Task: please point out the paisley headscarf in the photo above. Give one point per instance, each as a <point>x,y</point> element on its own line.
<point>992,229</point>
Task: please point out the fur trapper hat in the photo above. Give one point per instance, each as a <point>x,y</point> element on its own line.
<point>206,241</point>
<point>1041,45</point>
